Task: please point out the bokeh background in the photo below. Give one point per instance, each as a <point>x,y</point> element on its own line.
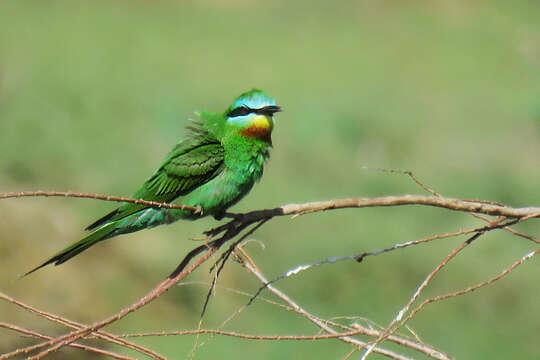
<point>93,94</point>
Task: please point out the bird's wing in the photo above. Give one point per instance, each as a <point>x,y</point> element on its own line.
<point>189,165</point>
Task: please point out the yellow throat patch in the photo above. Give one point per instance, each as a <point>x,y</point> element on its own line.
<point>260,127</point>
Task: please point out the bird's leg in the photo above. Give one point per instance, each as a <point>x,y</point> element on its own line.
<point>237,221</point>
<point>219,216</point>
<point>218,230</point>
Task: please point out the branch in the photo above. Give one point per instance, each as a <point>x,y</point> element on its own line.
<point>242,221</point>
<point>397,200</point>
<point>390,328</point>
<point>175,277</point>
<point>470,289</point>
<point>473,206</point>
<point>66,322</point>
<point>360,257</point>
<point>75,345</point>
<point>319,322</point>
<point>97,197</point>
<point>61,341</point>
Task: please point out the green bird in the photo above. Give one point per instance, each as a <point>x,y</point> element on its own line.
<point>213,168</point>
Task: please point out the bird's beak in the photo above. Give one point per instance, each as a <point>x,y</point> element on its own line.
<point>270,110</point>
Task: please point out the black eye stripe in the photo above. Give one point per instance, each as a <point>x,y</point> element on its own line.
<point>244,110</point>
<point>240,111</point>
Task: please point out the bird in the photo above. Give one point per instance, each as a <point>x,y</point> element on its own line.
<point>212,168</point>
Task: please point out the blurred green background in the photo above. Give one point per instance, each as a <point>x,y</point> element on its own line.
<point>93,94</point>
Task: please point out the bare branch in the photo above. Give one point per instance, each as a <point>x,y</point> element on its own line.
<point>66,322</point>
<point>390,328</point>
<point>359,257</point>
<point>240,222</point>
<point>483,207</point>
<point>443,202</point>
<point>359,330</point>
<point>319,322</point>
<point>61,341</point>
<point>470,289</point>
<point>409,174</point>
<point>97,197</point>
<point>75,345</point>
<point>428,350</point>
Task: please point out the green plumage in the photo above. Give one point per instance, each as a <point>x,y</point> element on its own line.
<point>212,168</point>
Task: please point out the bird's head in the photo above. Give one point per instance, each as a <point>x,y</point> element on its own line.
<point>252,114</point>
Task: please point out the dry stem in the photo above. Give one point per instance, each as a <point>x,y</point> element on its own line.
<point>238,224</point>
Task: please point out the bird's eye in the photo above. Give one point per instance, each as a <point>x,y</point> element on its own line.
<point>239,111</point>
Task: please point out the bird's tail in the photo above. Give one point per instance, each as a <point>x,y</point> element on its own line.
<point>101,234</point>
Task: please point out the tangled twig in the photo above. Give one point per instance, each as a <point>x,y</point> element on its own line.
<point>238,223</point>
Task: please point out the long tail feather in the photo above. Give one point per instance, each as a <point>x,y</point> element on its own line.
<point>99,222</point>
<point>78,247</point>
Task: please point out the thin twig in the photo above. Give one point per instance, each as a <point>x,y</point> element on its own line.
<point>409,174</point>
<point>61,341</point>
<point>431,191</point>
<point>358,330</point>
<point>241,221</point>
<point>470,289</point>
<point>220,265</point>
<point>359,257</point>
<point>319,322</point>
<point>66,322</point>
<point>75,345</point>
<point>97,197</point>
<point>509,229</point>
<point>506,271</point>
<point>390,328</point>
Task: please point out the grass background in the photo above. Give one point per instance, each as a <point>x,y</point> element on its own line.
<point>93,94</point>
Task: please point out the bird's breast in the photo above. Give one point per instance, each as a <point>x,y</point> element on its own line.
<point>260,127</point>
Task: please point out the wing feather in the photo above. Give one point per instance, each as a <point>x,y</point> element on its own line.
<point>191,163</point>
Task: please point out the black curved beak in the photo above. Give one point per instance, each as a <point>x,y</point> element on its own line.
<point>268,110</point>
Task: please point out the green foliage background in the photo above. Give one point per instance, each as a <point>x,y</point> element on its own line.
<point>93,94</point>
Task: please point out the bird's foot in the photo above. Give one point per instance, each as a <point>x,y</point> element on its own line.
<point>237,220</point>
<point>218,230</point>
<point>219,216</point>
<point>222,215</point>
